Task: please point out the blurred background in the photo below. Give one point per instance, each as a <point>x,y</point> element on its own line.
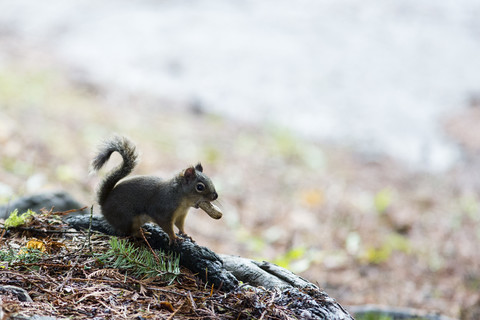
<point>342,136</point>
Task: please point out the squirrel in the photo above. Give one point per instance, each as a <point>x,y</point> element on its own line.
<point>128,204</point>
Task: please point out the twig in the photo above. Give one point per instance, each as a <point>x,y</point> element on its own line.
<point>27,279</point>
<point>148,244</point>
<point>69,273</point>
<point>90,230</point>
<point>175,312</point>
<point>269,304</point>
<point>43,264</point>
<point>107,307</point>
<point>63,213</point>
<point>3,233</point>
<point>192,302</point>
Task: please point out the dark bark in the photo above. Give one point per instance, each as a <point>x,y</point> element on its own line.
<point>59,201</point>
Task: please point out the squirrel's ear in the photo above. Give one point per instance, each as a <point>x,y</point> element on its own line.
<point>189,174</point>
<point>199,167</point>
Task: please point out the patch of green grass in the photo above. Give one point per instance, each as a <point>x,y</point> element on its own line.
<point>15,221</point>
<point>212,154</point>
<point>286,259</point>
<point>17,166</point>
<point>382,316</point>
<point>254,243</point>
<point>140,262</point>
<point>373,316</point>
<point>286,144</point>
<point>380,254</point>
<point>9,256</point>
<point>383,200</point>
<point>469,205</point>
<point>22,88</point>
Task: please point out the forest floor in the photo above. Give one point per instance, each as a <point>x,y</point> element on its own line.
<point>366,229</point>
<point>49,269</point>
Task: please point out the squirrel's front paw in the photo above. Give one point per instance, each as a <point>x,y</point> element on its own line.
<point>175,241</point>
<point>186,236</point>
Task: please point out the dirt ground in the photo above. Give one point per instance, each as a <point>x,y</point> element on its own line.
<point>364,228</point>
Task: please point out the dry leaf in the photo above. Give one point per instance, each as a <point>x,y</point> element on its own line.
<point>167,305</point>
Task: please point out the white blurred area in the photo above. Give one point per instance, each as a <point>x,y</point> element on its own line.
<point>374,74</point>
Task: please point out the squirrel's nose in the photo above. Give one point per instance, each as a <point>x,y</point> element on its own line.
<point>214,196</point>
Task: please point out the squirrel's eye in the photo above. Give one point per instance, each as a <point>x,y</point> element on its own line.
<point>200,187</point>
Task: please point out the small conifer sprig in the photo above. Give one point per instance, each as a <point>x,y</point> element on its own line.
<point>140,262</point>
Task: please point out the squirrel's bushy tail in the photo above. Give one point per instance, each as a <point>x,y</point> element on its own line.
<point>127,150</point>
